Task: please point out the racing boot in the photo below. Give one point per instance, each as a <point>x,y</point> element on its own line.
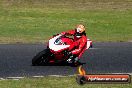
<point>70,60</point>
<point>73,60</point>
<point>76,59</point>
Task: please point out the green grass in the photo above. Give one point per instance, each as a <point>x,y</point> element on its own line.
<point>34,21</point>
<point>55,82</point>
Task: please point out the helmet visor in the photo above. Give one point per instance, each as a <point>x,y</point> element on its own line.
<point>79,30</point>
<point>78,34</point>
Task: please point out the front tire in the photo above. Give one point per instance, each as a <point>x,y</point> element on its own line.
<point>41,58</point>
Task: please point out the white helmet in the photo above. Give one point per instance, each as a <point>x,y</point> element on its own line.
<point>79,30</point>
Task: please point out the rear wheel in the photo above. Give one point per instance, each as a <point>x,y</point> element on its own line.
<point>41,58</point>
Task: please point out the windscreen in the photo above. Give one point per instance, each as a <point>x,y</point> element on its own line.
<point>58,41</point>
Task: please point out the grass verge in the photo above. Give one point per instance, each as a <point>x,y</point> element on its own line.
<point>32,21</point>
<point>55,82</point>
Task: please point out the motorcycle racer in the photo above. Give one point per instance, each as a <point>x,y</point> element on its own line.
<point>80,42</point>
<point>64,49</point>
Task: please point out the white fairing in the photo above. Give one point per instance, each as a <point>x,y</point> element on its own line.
<point>88,43</point>
<point>55,47</point>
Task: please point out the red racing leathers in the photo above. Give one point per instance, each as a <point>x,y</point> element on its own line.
<point>79,45</point>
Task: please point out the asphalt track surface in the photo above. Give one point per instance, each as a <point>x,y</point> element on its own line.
<point>15,60</point>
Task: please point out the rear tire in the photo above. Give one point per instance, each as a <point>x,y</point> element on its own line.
<point>41,58</point>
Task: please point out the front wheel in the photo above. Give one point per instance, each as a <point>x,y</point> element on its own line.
<point>41,58</point>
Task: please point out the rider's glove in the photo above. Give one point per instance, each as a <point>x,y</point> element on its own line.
<point>63,33</point>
